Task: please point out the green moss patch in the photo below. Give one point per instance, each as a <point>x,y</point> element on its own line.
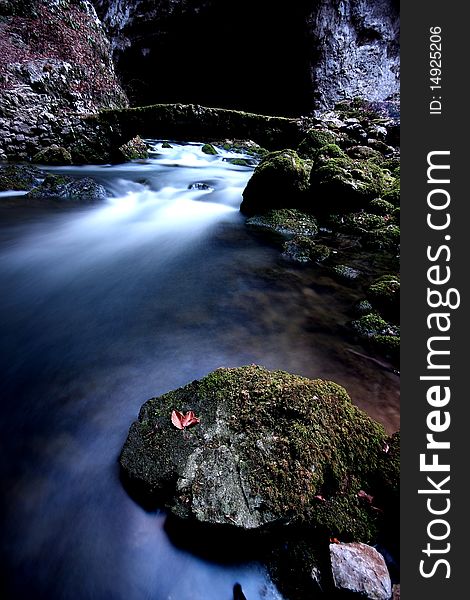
<point>18,177</point>
<point>53,156</point>
<point>134,149</point>
<point>314,140</point>
<point>286,221</point>
<point>278,181</point>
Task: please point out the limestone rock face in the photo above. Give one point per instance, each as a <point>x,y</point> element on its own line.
<point>358,44</point>
<point>359,568</point>
<point>332,50</point>
<point>55,62</point>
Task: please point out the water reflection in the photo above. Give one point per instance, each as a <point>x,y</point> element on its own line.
<point>106,306</point>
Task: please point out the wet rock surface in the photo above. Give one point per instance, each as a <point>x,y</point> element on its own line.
<point>67,189</point>
<point>55,63</point>
<point>360,569</point>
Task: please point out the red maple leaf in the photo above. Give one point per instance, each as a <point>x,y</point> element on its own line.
<point>181,421</point>
<point>367,497</point>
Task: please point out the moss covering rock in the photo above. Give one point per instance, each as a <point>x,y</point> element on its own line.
<point>384,238</point>
<point>365,153</point>
<point>381,207</point>
<point>244,147</point>
<point>134,149</point>
<point>240,162</point>
<point>345,272</point>
<point>279,181</point>
<point>19,177</point>
<point>209,149</point>
<point>286,221</point>
<point>53,156</point>
<point>392,193</point>
<point>270,449</point>
<point>64,188</point>
<point>314,140</point>
<point>381,335</point>
<point>345,184</point>
<point>384,295</point>
<point>303,249</point>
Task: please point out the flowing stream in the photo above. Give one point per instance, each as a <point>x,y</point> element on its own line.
<point>105,306</point>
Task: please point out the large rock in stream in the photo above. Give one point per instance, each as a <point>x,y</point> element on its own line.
<point>271,448</point>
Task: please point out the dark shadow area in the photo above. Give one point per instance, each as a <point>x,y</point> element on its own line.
<point>245,55</point>
<point>220,543</point>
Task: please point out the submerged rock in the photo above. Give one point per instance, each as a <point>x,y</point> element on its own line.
<point>19,177</point>
<point>64,188</point>
<point>360,569</point>
<point>271,448</point>
<point>199,185</point>
<point>278,181</point>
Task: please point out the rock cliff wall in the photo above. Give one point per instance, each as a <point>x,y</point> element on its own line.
<point>55,61</point>
<point>255,55</point>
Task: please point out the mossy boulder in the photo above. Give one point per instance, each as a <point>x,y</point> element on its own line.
<point>381,207</point>
<point>303,249</point>
<point>167,145</point>
<point>209,149</point>
<point>392,193</point>
<point>134,149</point>
<point>53,156</point>
<point>381,335</point>
<point>361,222</point>
<point>384,238</point>
<point>270,449</point>
<point>345,184</point>
<point>279,181</point>
<point>372,325</point>
<point>365,153</point>
<point>286,221</point>
<point>63,188</point>
<point>384,295</point>
<point>19,177</point>
<point>326,152</point>
<point>314,140</point>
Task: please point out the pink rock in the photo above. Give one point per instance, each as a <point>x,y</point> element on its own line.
<point>361,569</point>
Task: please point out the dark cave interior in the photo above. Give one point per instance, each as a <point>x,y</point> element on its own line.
<point>245,55</point>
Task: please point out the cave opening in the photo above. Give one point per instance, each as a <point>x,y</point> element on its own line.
<point>247,55</point>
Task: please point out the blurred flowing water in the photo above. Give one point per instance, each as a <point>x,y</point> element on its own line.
<point>103,307</point>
